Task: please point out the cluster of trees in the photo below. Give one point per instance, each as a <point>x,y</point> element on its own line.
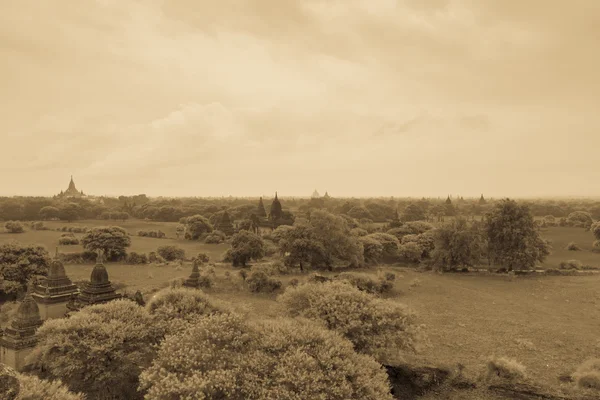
<point>184,344</point>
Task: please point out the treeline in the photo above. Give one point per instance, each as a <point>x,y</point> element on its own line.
<point>173,210</point>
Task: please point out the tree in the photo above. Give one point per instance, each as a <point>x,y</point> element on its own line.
<point>372,249</point>
<point>14,227</point>
<point>389,243</point>
<point>70,212</point>
<point>49,212</point>
<point>580,219</point>
<point>174,308</point>
<point>171,253</point>
<point>226,357</point>
<point>111,240</point>
<point>377,327</point>
<point>457,245</point>
<point>245,246</point>
<point>595,229</point>
<point>20,263</point>
<point>100,350</point>
<point>33,388</point>
<point>413,212</point>
<point>513,238</point>
<point>197,226</point>
<point>337,240</point>
<point>359,212</point>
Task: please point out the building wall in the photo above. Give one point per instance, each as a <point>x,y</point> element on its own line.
<point>56,310</point>
<point>14,358</point>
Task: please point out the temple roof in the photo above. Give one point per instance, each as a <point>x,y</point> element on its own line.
<point>57,269</point>
<point>99,275</point>
<point>28,313</point>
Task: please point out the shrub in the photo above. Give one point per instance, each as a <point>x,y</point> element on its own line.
<point>572,246</point>
<point>390,276</point>
<point>33,388</point>
<point>595,229</point>
<point>216,237</point>
<point>106,363</point>
<point>136,258</point>
<point>570,264</point>
<point>171,253</point>
<point>270,248</point>
<point>197,226</point>
<point>375,326</point>
<point>155,258</point>
<point>367,283</point>
<point>588,374</point>
<point>153,234</point>
<point>201,258</point>
<point>580,219</point>
<point>84,257</point>
<point>505,368</point>
<point>38,226</point>
<point>226,357</point>
<point>68,241</point>
<point>245,246</point>
<point>174,308</point>
<point>411,252</point>
<point>359,232</point>
<point>260,281</point>
<point>14,227</point>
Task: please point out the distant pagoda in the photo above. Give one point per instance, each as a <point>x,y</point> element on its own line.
<point>224,224</point>
<point>54,291</point>
<point>18,339</point>
<point>71,191</point>
<point>194,280</point>
<point>326,196</point>
<point>261,212</point>
<point>276,211</point>
<point>99,290</point>
<point>316,194</point>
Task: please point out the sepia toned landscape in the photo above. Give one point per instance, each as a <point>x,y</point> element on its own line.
<point>298,200</point>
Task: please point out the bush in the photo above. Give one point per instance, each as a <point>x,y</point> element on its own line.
<point>260,281</point>
<point>68,241</point>
<point>14,227</point>
<point>216,237</point>
<point>38,226</point>
<point>410,252</point>
<point>174,308</point>
<point>580,219</point>
<point>201,258</point>
<point>572,246</point>
<point>390,276</point>
<point>226,357</point>
<point>587,375</point>
<point>505,368</point>
<point>367,283</point>
<point>570,264</point>
<point>376,327</point>
<point>155,258</point>
<point>153,234</point>
<point>84,257</point>
<point>171,253</point>
<point>136,258</point>
<point>33,388</point>
<point>359,232</point>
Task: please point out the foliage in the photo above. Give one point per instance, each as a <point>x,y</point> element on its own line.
<point>197,226</point>
<point>171,253</point>
<point>359,232</point>
<point>580,219</point>
<point>225,357</point>
<point>70,212</point>
<point>570,264</point>
<point>280,232</point>
<point>201,258</point>
<point>20,263</point>
<point>245,246</point>
<point>299,246</point>
<point>84,257</point>
<point>99,350</point>
<point>457,245</point>
<point>372,249</point>
<point>68,241</point>
<point>153,234</point>
<point>33,388</point>
<point>375,326</point>
<point>112,240</point>
<point>572,246</point>
<point>413,212</point>
<point>174,308</point>
<point>215,237</point>
<point>410,251</point>
<point>505,368</point>
<point>588,374</point>
<point>513,239</point>
<point>359,212</point>
<point>136,258</point>
<point>367,283</point>
<point>260,281</point>
<point>595,229</point>
<point>38,226</point>
<point>334,234</point>
<point>14,227</point>
<point>389,243</point>
<point>49,212</point>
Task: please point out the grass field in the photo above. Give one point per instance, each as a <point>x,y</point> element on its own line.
<point>550,324</point>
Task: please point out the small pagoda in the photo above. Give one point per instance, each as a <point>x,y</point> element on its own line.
<point>194,280</point>
<point>97,291</point>
<point>224,225</point>
<point>18,339</point>
<point>276,211</point>
<point>53,293</point>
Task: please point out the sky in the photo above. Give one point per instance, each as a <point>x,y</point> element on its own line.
<point>353,97</point>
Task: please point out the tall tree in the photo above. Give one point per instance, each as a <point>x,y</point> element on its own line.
<point>513,238</point>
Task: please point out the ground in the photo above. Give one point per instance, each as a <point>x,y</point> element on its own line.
<point>548,323</point>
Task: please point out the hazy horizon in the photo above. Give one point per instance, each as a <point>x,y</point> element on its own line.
<point>363,98</point>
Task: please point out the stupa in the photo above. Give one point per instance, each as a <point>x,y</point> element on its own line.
<point>54,291</point>
<point>72,191</point>
<point>18,339</point>
<point>225,225</point>
<point>194,280</point>
<point>97,291</point>
<point>276,209</point>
